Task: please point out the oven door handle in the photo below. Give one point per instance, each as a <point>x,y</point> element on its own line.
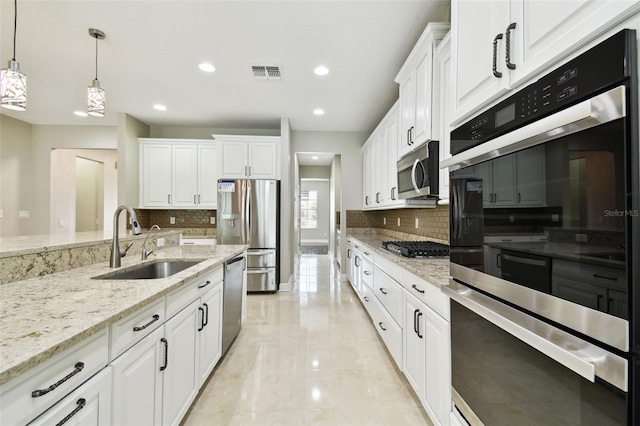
<point>601,109</point>
<point>583,358</point>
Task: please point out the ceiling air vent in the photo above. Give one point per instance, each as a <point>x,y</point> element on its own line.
<point>266,72</point>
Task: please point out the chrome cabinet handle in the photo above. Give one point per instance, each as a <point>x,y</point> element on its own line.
<point>79,406</point>
<point>156,317</point>
<point>496,73</point>
<point>76,369</point>
<point>510,65</point>
<point>416,288</point>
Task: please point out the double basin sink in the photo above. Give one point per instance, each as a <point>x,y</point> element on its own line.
<point>150,271</point>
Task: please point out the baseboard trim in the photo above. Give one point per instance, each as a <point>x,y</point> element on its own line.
<point>343,277</point>
<point>303,242</point>
<point>286,286</point>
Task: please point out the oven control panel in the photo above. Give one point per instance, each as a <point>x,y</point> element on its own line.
<point>587,75</point>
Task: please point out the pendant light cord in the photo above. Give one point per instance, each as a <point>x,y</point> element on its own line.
<point>15,27</point>
<point>96,55</point>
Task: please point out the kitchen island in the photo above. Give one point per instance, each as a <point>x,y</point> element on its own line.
<point>44,316</point>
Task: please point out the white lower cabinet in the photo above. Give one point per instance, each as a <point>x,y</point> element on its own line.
<point>88,405</point>
<point>209,333</point>
<point>414,344</point>
<point>437,335</point>
<point>180,381</point>
<point>137,383</point>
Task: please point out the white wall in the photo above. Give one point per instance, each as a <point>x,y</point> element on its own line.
<point>16,176</point>
<point>47,138</point>
<point>286,203</point>
<point>63,187</point>
<point>319,235</point>
<point>129,130</point>
<point>319,172</point>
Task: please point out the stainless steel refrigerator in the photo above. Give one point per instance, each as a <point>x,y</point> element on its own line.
<point>249,213</point>
<point>466,235</point>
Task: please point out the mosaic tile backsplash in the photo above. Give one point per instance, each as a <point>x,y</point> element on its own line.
<point>432,223</point>
<point>193,222</point>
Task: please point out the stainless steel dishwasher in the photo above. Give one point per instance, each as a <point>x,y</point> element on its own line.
<point>232,300</point>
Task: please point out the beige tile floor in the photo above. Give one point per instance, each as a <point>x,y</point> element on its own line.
<point>307,357</point>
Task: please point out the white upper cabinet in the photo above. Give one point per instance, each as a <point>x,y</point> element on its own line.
<point>248,157</point>
<point>418,93</point>
<point>501,44</point>
<point>179,173</point>
<point>443,63</point>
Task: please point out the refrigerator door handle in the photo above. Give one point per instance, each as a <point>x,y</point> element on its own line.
<point>247,222</point>
<point>243,218</point>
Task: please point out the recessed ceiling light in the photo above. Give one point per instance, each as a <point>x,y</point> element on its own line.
<point>160,107</point>
<point>315,157</point>
<point>321,70</point>
<point>318,111</point>
<point>80,113</point>
<point>207,67</point>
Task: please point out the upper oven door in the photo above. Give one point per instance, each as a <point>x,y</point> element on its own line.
<point>577,225</point>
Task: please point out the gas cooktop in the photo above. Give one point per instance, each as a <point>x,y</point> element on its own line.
<point>416,248</point>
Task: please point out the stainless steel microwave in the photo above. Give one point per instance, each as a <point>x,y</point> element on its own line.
<point>418,172</point>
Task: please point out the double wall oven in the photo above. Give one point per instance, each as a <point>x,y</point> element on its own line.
<point>545,248</point>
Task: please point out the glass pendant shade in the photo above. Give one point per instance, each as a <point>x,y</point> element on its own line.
<point>13,87</point>
<point>96,101</point>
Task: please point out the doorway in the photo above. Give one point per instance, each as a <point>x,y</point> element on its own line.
<point>314,216</point>
<point>89,195</point>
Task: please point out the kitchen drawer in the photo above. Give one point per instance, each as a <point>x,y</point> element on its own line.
<point>131,329</point>
<point>368,254</point>
<point>368,273</point>
<point>181,297</point>
<point>261,258</point>
<point>368,298</point>
<point>390,268</point>
<point>594,274</point>
<point>89,405</point>
<point>389,330</point>
<point>55,378</point>
<point>427,293</point>
<point>389,293</point>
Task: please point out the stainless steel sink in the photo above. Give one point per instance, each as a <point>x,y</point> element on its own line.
<point>620,257</point>
<point>150,271</point>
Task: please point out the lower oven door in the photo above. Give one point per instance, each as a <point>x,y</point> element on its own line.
<point>509,368</point>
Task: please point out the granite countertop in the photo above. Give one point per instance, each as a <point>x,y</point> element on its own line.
<point>432,270</point>
<point>567,251</point>
<point>41,317</point>
<point>30,244</point>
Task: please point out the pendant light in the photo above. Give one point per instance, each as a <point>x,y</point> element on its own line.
<point>13,84</point>
<point>96,103</point>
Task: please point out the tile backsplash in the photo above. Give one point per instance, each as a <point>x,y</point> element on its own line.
<point>198,221</point>
<point>432,223</point>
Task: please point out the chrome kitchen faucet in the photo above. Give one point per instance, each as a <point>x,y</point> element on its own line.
<point>116,253</point>
<point>146,253</point>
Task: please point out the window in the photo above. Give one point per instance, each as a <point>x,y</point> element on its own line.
<point>309,209</point>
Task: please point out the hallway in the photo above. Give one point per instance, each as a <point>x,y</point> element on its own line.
<point>308,356</point>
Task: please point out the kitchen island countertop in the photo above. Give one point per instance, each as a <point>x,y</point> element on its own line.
<point>41,317</point>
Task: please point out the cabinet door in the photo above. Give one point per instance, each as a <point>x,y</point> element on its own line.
<point>156,175</point>
<point>185,176</point>
<point>391,134</point>
<point>474,27</point>
<point>367,164</point>
<point>424,98</point>
<point>503,179</point>
<point>446,99</point>
<point>407,115</point>
<point>180,381</point>
<point>210,333</point>
<point>530,177</point>
<point>208,176</point>
<point>414,344</point>
<point>549,30</point>
<point>137,383</point>
<point>437,332</point>
<point>263,160</point>
<point>492,261</point>
<point>232,160</point>
<point>88,405</point>
<point>581,293</point>
<point>380,167</point>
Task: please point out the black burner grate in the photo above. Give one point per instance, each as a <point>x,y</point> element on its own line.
<point>417,248</point>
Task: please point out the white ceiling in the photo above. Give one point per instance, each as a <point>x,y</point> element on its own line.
<point>315,158</point>
<point>152,51</point>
